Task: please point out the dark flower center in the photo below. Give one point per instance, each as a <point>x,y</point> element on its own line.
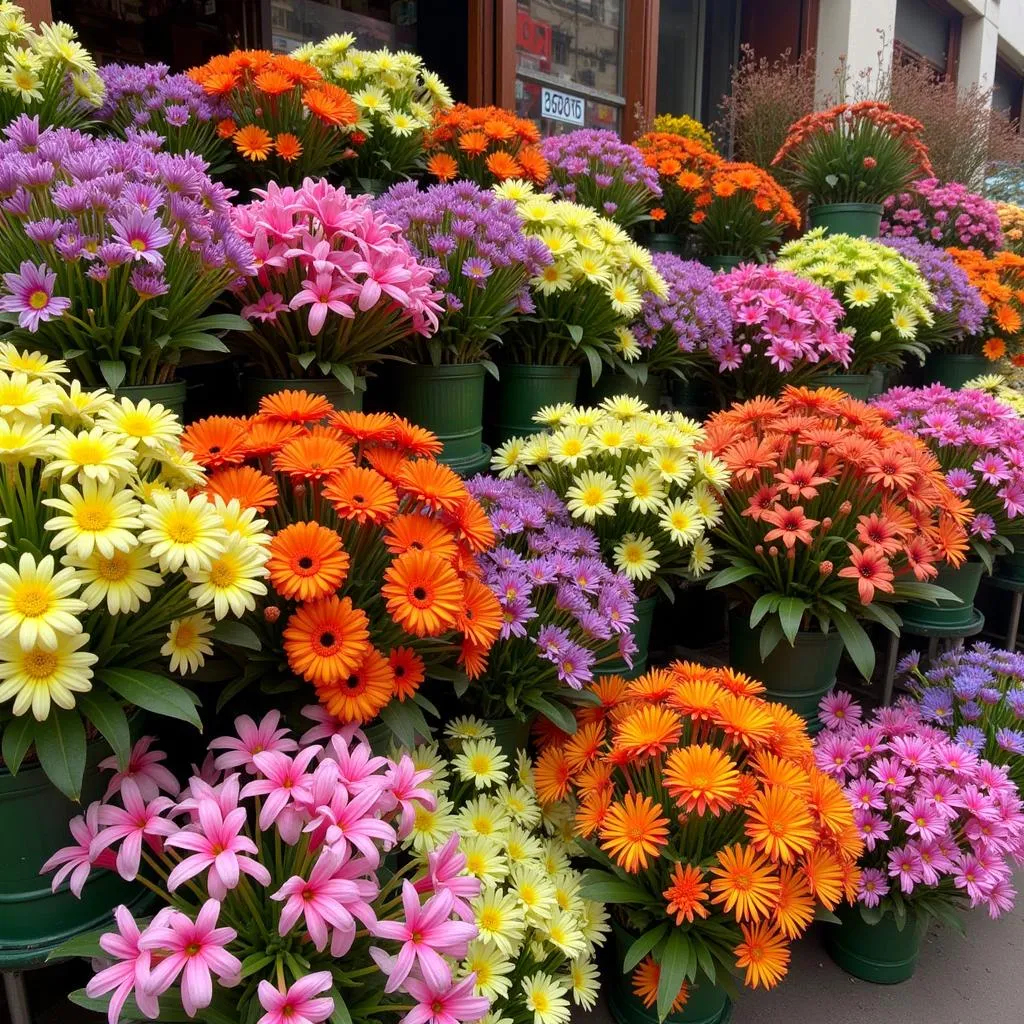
<point>326,639</point>
<point>419,593</point>
<point>305,562</point>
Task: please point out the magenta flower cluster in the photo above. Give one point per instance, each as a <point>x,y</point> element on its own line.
<point>944,214</point>
<point>275,844</point>
<point>940,824</point>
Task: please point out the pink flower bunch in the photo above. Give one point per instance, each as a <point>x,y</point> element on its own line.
<point>941,825</point>
<point>271,857</point>
<point>337,283</point>
<point>784,330</point>
<point>943,214</point>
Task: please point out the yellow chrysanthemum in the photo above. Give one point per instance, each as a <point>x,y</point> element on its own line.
<point>187,645</point>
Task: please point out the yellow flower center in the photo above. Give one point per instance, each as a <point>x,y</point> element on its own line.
<point>223,573</point>
<point>490,919</point>
<point>592,496</point>
<point>541,1003</point>
<point>94,516</point>
<point>482,826</point>
<point>40,664</point>
<point>39,298</point>
<point>181,529</point>
<point>31,600</point>
<point>136,425</point>
<point>115,569</point>
<point>87,452</point>
<point>480,764</point>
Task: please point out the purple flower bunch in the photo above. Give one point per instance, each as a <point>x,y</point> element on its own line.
<point>564,612</point>
<point>959,309</point>
<point>943,214</point>
<point>474,241</point>
<point>147,98</point>
<point>977,696</point>
<point>940,824</point>
<point>785,330</point>
<point>679,329</point>
<point>979,443</point>
<point>139,243</point>
<point>596,168</point>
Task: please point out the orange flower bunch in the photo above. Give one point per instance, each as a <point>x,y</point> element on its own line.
<point>830,512</point>
<point>287,122</point>
<point>704,799</point>
<point>1000,282</point>
<point>486,145</point>
<point>684,167</point>
<point>373,554</point>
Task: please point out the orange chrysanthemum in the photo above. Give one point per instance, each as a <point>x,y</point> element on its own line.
<point>443,167</point>
<point>287,146</point>
<point>387,461</point>
<point>226,128</point>
<point>646,979</point>
<point>438,486</point>
<point>326,641</point>
<point>772,770</point>
<point>317,456</point>
<point>779,824</point>
<point>702,778</point>
<point>330,104</point>
<point>265,437</point>
<point>743,719</point>
<point>414,532</point>
<point>216,441</point>
<point>272,82</point>
<point>794,910</point>
<point>362,495</point>
<point>824,874</point>
<point>363,426</point>
<point>253,142</point>
<point>687,894</point>
<point>647,732</point>
<point>745,882</point>
<point>472,522</point>
<point>473,658</point>
<point>479,618</point>
<point>408,671</point>
<point>307,562</point>
<point>994,349</point>
<point>503,165</point>
<point>414,440</point>
<point>359,696</point>
<point>591,812</point>
<point>249,486</point>
<point>633,831</point>
<point>295,407</point>
<point>696,698</point>
<point>585,745</point>
<point>551,775</point>
<point>764,954</point>
<point>423,593</point>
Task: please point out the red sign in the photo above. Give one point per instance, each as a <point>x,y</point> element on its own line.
<point>533,36</point>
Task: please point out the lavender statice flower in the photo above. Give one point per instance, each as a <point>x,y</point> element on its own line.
<point>943,214</point>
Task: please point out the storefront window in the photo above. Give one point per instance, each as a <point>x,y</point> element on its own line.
<point>374,23</point>
<point>569,63</point>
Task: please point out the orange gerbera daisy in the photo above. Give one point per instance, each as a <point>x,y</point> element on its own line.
<point>829,803</point>
<point>737,682</point>
<point>591,811</point>
<point>272,82</point>
<point>994,348</point>
<point>777,771</point>
<point>415,532</point>
<point>363,426</point>
<point>219,83</point>
<point>387,461</point>
<point>696,698</point>
<point>824,874</point>
<point>264,437</point>
<point>479,618</point>
<point>503,165</point>
<point>744,719</point>
<point>633,831</point>
<point>295,407</point>
<point>472,522</point>
<point>313,457</point>
<point>408,670</point>
<point>584,745</point>
<point>764,954</point>
<point>359,696</point>
<point>646,979</point>
<point>702,778</point>
<point>473,143</point>
<point>288,146</point>
<point>307,562</point>
<point>779,824</point>
<point>252,488</point>
<point>653,686</point>
<point>745,883</point>
<point>216,441</point>
<point>362,495</point>
<point>438,486</point>
<point>551,775</point>
<point>326,641</point>
<point>473,658</point>
<point>443,167</point>
<point>414,440</point>
<point>1006,318</point>
<point>535,166</point>
<point>423,593</point>
<point>648,731</point>
<point>226,128</point>
<point>330,103</point>
<point>253,142</point>
<point>794,910</point>
<point>686,896</point>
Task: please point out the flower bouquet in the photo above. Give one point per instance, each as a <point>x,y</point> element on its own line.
<point>287,123</point>
<point>396,98</point>
<point>107,567</point>
<point>337,285</point>
<point>979,444</point>
<point>999,280</point>
<point>943,214</point>
<point>830,518</point>
<point>940,825</point>
<point>1011,220</point>
<point>373,572</point>
<point>686,126</point>
<point>888,303</point>
<point>596,168</point>
<point>141,100</point>
<point>717,838</point>
<point>487,145</point>
<point>563,611</point>
<point>47,74</point>
<point>113,255</point>
<point>278,905</point>
<point>977,697</point>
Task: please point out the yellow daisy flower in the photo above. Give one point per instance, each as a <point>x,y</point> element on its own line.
<point>97,517</point>
<point>182,531</point>
<point>36,605</point>
<point>231,582</point>
<point>35,678</point>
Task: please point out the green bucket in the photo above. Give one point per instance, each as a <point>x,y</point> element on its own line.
<point>847,218</point>
<point>798,675</point>
<point>879,953</point>
<point>856,385</point>
<point>171,396</point>
<point>255,388</point>
<point>964,583</point>
<point>523,390</point>
<point>955,369</point>
<point>642,635</point>
<point>611,384</point>
<point>1011,567</point>
<point>663,241</point>
<point>723,262</point>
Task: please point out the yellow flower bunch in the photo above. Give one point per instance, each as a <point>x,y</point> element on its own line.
<point>396,97</point>
<point>688,127</point>
<point>538,937</point>
<point>635,476</point>
<point>1011,219</point>
<point>46,73</point>
<point>1006,388</point>
<point>107,566</point>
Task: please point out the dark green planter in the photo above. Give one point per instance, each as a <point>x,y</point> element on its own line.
<point>847,218</point>
<point>724,262</point>
<point>1011,567</point>
<point>255,388</point>
<point>611,384</point>
<point>170,396</point>
<point>34,818</point>
<point>954,369</point>
<point>523,390</point>
<point>692,397</point>
<point>857,385</point>
<point>449,400</point>
<point>511,735</point>
<point>964,583</point>
<point>662,241</point>
<point>879,953</point>
<point>642,636</point>
<point>798,675</point>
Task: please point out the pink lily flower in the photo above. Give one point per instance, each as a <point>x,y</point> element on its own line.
<point>357,767</point>
<point>145,768</point>
<point>350,823</point>
<point>195,950</point>
<point>323,296</point>
<point>77,860</point>
<point>404,783</point>
<point>224,794</point>
<point>383,278</point>
<point>297,1005</point>
<point>285,781</point>
<point>129,976</point>
<point>426,932</point>
<point>252,739</point>
<point>446,871</point>
<point>444,1004</point>
<point>327,726</point>
<point>131,824</point>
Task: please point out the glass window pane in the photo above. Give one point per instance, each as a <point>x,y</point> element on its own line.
<point>374,23</point>
<point>678,57</point>
<point>924,29</point>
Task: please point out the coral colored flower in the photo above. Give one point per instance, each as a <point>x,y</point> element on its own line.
<point>871,569</point>
<point>687,894</point>
<point>253,142</point>
<point>791,525</point>
<point>360,695</point>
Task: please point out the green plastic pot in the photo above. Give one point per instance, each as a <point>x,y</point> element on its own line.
<point>798,675</point>
<point>642,635</point>
<point>964,583</point>
<point>954,369</point>
<point>1011,567</point>
<point>34,816</point>
<point>171,396</point>
<point>511,735</point>
<point>879,953</point>
<point>449,400</point>
<point>663,241</point>
<point>611,384</point>
<point>847,218</point>
<point>255,388</point>
<point>723,262</point>
<point>523,390</point>
<point>857,385</point>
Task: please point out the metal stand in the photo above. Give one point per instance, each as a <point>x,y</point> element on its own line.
<point>17,999</point>
<point>1016,587</point>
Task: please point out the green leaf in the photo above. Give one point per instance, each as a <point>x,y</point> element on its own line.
<point>675,957</point>
<point>857,643</point>
<point>557,714</point>
<point>663,585</point>
<point>642,946</point>
<point>170,1014</point>
<point>771,634</point>
<point>791,613</point>
<point>341,1014</point>
<point>200,342</point>
<point>491,368</point>
<point>884,615</point>
<point>155,693</point>
<point>345,375</point>
<point>86,945</point>
<point>406,721</point>
<point>17,738</point>
<point>229,692</point>
<point>114,372</point>
<point>305,358</point>
<point>109,718</point>
<point>603,887</point>
<point>254,962</point>
<point>732,574</point>
<point>222,322</point>
<point>236,634</point>
<point>871,915</point>
<point>762,606</point>
<point>704,959</point>
<point>596,365</point>
<point>460,684</point>
<point>824,914</point>
<point>60,747</point>
<point>575,332</point>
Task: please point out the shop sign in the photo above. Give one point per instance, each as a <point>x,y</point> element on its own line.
<point>561,106</point>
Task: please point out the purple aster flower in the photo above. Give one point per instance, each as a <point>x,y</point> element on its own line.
<point>30,295</point>
<point>149,283</point>
<point>142,232</point>
<point>873,886</point>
